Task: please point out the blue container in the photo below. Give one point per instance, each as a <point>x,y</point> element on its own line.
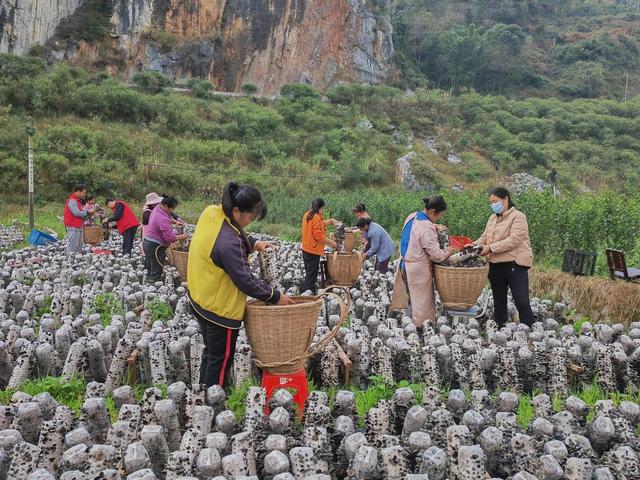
<point>40,239</point>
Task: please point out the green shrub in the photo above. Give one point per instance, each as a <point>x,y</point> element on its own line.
<point>14,67</point>
<point>151,82</point>
<point>160,310</point>
<point>164,38</point>
<point>297,91</point>
<point>107,304</point>
<point>200,88</point>
<point>249,88</point>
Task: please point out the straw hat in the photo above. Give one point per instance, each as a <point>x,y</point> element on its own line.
<point>153,198</point>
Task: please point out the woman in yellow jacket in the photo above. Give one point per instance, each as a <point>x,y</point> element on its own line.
<point>219,278</point>
<point>314,238</point>
<point>506,244</point>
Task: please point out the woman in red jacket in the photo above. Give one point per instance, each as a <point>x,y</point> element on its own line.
<point>126,222</point>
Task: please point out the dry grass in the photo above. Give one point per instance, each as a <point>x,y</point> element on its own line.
<point>602,299</point>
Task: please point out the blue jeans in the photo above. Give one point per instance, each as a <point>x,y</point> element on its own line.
<point>156,258</point>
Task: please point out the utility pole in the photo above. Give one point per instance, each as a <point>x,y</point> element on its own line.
<point>30,131</point>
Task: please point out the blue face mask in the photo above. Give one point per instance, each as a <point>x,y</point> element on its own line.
<point>497,208</point>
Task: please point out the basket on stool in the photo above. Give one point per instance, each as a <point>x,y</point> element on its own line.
<point>459,288</point>
<point>93,235</point>
<point>343,269</point>
<point>281,336</point>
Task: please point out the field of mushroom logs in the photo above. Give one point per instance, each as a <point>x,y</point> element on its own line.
<point>450,407</point>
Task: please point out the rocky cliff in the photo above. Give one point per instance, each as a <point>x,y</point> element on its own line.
<point>231,42</point>
<point>267,43</point>
<point>24,23</point>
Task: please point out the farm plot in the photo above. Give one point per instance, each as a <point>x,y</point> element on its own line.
<point>99,372</point>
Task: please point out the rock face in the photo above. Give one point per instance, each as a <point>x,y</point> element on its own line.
<point>405,175</point>
<point>24,23</point>
<point>232,42</point>
<point>522,182</point>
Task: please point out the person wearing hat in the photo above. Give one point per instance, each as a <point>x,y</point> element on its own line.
<point>151,201</point>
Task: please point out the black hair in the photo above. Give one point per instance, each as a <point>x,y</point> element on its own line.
<point>87,199</point>
<point>108,200</point>
<point>316,205</point>
<point>79,187</point>
<point>169,202</point>
<point>246,198</point>
<point>502,193</point>
<point>436,203</point>
<point>360,208</point>
<point>363,222</point>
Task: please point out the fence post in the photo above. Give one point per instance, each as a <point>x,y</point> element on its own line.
<point>30,131</point>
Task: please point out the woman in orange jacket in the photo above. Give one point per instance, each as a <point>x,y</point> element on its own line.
<point>314,238</point>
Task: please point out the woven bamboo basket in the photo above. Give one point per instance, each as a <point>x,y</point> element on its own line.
<point>351,239</point>
<point>93,235</point>
<point>459,288</point>
<point>180,260</point>
<point>172,248</point>
<point>343,269</point>
<point>281,336</point>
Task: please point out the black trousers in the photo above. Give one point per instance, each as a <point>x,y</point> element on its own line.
<point>382,267</point>
<point>127,240</point>
<point>156,258</point>
<point>217,358</point>
<point>509,275</point>
<point>311,267</point>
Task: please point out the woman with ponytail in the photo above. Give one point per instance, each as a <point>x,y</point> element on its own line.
<point>219,278</point>
<point>419,247</point>
<point>314,238</point>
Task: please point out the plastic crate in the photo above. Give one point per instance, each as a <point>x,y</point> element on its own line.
<point>578,262</point>
<point>40,239</point>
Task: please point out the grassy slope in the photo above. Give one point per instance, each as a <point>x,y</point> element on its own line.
<point>116,139</point>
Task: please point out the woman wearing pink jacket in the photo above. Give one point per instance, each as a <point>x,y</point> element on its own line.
<point>419,248</point>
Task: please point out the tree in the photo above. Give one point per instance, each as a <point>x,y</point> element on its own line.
<point>583,79</point>
<point>299,90</point>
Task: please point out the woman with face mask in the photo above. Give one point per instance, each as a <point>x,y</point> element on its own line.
<point>506,244</point>
<point>419,247</point>
<point>219,278</point>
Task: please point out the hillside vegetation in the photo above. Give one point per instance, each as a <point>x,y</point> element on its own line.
<point>567,48</point>
<point>92,128</point>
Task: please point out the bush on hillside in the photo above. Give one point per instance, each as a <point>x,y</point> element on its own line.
<point>14,67</point>
<point>297,91</point>
<point>200,88</point>
<point>151,82</point>
<point>249,88</point>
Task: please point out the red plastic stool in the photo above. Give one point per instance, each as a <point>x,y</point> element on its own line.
<point>100,251</point>
<point>297,381</point>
